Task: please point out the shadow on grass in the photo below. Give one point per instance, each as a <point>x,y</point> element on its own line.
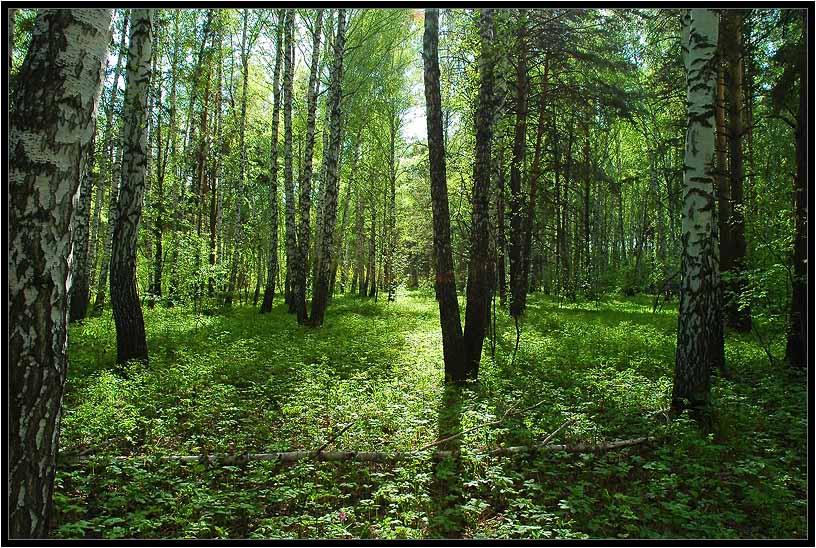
<point>446,519</point>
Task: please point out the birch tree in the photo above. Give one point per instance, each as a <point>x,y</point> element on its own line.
<point>331,183</point>
<point>305,194</point>
<point>699,326</point>
<point>56,100</point>
<point>131,342</point>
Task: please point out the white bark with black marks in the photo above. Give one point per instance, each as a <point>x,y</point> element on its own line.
<point>56,103</point>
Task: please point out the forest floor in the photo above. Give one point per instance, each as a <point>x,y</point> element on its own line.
<point>238,382</point>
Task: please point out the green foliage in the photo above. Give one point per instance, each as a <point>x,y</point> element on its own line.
<point>242,382</point>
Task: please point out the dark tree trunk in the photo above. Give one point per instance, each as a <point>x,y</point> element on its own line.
<point>452,340</point>
<point>55,99</point>
<point>736,284</point>
<point>501,239</point>
<point>272,264</point>
<point>480,267</point>
<point>518,283</point>
<point>796,350</point>
<point>320,293</point>
<point>535,173</point>
<point>80,287</point>
<point>131,343</point>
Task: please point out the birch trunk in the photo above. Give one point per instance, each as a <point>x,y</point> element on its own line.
<point>56,101</point>
<point>330,184</point>
<point>699,342</point>
<point>288,183</point>
<point>131,342</point>
<point>305,195</point>
<point>110,172</point>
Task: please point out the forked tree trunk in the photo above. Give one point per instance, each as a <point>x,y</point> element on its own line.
<point>452,339</point>
<point>56,99</point>
<point>131,343</point>
<point>480,267</point>
<point>320,292</point>
<point>272,263</point>
<point>699,345</point>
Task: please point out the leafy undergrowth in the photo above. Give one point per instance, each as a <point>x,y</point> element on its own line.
<point>237,382</point>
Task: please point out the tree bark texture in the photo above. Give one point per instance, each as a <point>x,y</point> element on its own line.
<point>480,267</point>
<point>305,194</point>
<point>331,189</point>
<point>699,346</point>
<point>56,100</point>
<point>452,339</point>
<point>131,342</point>
<point>80,287</point>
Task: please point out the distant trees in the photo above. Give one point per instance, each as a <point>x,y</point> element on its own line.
<point>272,261</point>
<point>131,342</point>
<point>699,339</point>
<point>51,127</point>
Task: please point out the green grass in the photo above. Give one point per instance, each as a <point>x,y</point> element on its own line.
<point>243,382</point>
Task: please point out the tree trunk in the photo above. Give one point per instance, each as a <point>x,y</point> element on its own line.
<point>359,239</point>
<point>501,239</point>
<point>371,274</point>
<point>518,283</point>
<point>110,171</point>
<point>272,263</point>
<point>535,173</point>
<point>736,284</point>
<point>55,105</point>
<point>305,195</point>
<point>80,289</point>
<point>320,292</point>
<point>699,345</point>
<point>480,268</point>
<point>796,350</point>
<point>288,183</point>
<point>452,339</point>
<point>131,343</point>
